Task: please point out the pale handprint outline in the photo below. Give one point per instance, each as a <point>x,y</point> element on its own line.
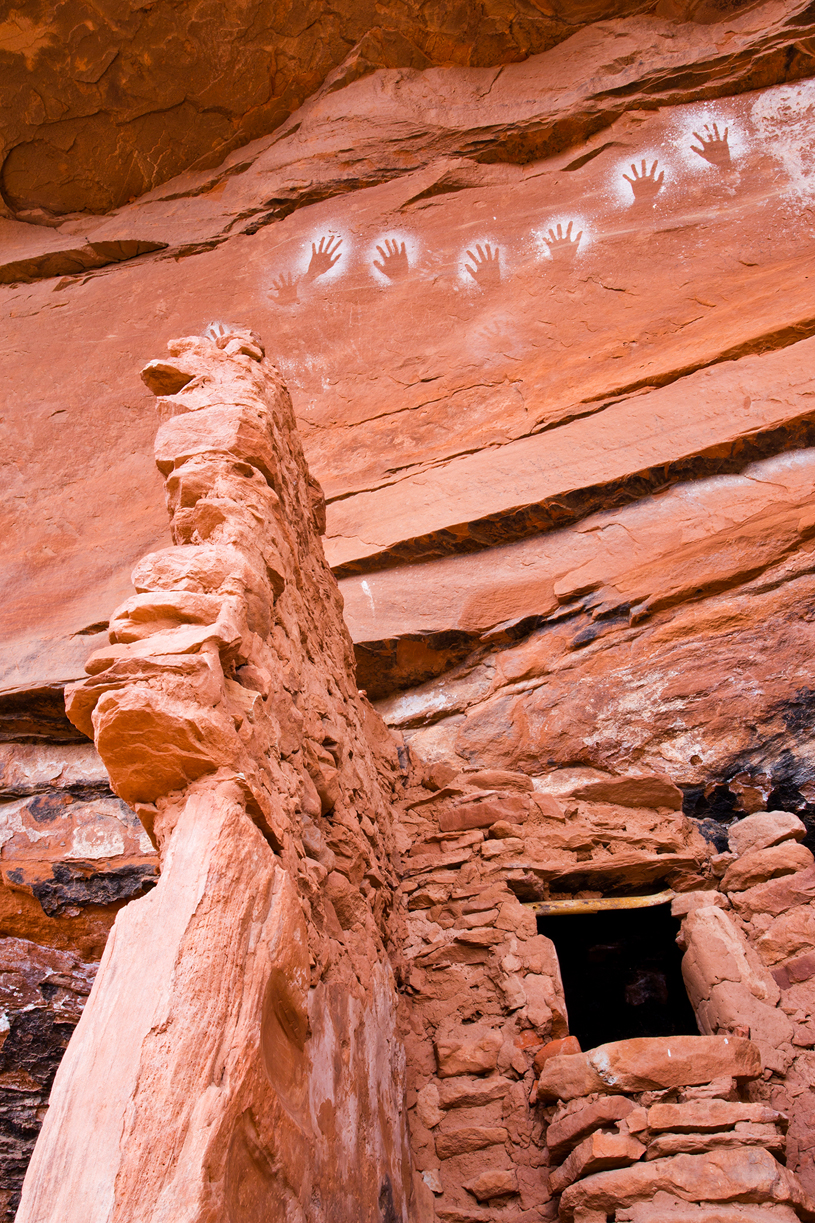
<point>715,148</point>
<point>645,183</point>
<point>324,255</point>
<point>393,261</point>
<point>486,269</point>
<point>562,245</point>
<point>284,289</point>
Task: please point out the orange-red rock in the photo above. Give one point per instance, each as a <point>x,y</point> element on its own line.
<point>564,421</point>
<point>749,1176</point>
<point>648,1063</point>
<point>599,1151</point>
<point>759,865</point>
<point>763,829</point>
<point>569,1128</point>
<point>247,908</point>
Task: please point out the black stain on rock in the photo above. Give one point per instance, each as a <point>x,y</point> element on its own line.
<point>31,1054</point>
<point>75,885</point>
<point>785,775</point>
<point>46,808</point>
<point>386,1203</point>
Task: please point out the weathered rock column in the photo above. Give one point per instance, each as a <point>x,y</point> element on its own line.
<point>237,1059</point>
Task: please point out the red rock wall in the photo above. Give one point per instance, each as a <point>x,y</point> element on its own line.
<point>568,471</point>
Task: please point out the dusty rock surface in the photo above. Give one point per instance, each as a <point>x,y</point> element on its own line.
<point>540,287</point>
<point>224,709</point>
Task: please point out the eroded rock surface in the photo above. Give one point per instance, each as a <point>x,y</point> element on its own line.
<point>540,287</point>
<point>225,711</point>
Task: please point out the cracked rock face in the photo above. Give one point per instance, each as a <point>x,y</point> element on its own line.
<point>109,105</point>
<point>539,286</point>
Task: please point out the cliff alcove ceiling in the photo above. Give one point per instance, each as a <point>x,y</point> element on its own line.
<point>104,102</point>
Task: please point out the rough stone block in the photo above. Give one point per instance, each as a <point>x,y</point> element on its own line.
<point>483,813</point>
<point>153,744</point>
<point>457,1056</point>
<point>494,1183</point>
<point>710,1115</point>
<point>566,1131</point>
<point>759,865</point>
<point>237,431</point>
<point>746,1175</point>
<point>800,968</point>
<point>201,568</point>
<point>791,934</point>
<point>745,1134</point>
<point>472,1093</point>
<point>649,1063</point>
<point>716,952</point>
<point>776,896</point>
<point>665,1208</point>
<point>469,1138</point>
<point>764,829</point>
<point>654,790</point>
<point>686,902</point>
<point>554,1048</point>
<point>599,1151</point>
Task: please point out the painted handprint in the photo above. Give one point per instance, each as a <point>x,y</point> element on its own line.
<point>323,257</point>
<point>486,269</point>
<point>562,246</point>
<point>394,260</point>
<point>715,148</point>
<point>645,182</point>
<point>284,289</point>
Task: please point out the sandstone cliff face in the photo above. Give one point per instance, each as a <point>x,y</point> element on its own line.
<point>539,286</point>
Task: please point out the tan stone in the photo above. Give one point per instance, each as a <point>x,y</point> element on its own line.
<point>567,1077</point>
<point>686,902</point>
<point>153,744</point>
<point>791,933</point>
<point>764,829</point>
<point>745,1134</point>
<point>459,1056</point>
<point>483,812</point>
<point>498,779</point>
<point>240,432</point>
<point>564,1132</point>
<point>494,1183</point>
<point>759,865</point>
<point>655,790</point>
<point>427,1106</point>
<point>724,1088</point>
<point>202,569</point>
<point>750,1175</point>
<point>776,896</point>
<point>469,1138</point>
<point>668,1209</point>
<point>717,952</point>
<point>602,1149</point>
<point>469,1093</point>
<point>793,972</point>
<point>709,1115</point>
<point>142,615</point>
<point>554,1048</point>
<point>645,1063</point>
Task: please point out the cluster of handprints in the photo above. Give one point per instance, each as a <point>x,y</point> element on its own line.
<point>485,265</point>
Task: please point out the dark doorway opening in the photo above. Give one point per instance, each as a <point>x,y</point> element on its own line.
<point>622,974</point>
